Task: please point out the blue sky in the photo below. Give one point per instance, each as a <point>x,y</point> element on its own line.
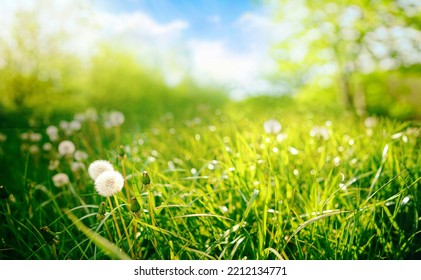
<point>208,19</point>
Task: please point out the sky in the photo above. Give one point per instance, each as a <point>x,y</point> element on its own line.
<point>214,42</point>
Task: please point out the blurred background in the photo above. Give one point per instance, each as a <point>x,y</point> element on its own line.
<point>146,58</point>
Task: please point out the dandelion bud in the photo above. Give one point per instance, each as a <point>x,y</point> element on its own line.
<point>146,180</point>
<point>134,205</point>
<point>101,211</point>
<point>50,237</point>
<point>4,194</point>
<point>121,152</point>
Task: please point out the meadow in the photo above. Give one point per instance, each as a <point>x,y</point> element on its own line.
<point>258,179</point>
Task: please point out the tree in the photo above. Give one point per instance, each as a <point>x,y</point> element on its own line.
<point>347,39</point>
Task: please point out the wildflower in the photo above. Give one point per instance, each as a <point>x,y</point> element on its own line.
<point>76,166</point>
<point>34,137</point>
<point>3,137</point>
<point>101,211</point>
<point>66,148</point>
<point>60,179</point>
<point>47,147</point>
<point>272,126</point>
<point>80,156</point>
<point>52,132</point>
<point>75,125</point>
<point>370,122</point>
<point>109,183</point>
<point>91,114</point>
<point>319,132</point>
<point>24,136</point>
<point>64,125</point>
<point>97,167</point>
<point>146,180</point>
<point>33,149</point>
<point>80,117</point>
<point>53,164</point>
<point>134,205</point>
<point>115,119</point>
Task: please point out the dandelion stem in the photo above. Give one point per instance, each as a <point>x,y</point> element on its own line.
<point>114,218</point>
<point>110,237</point>
<point>129,242</point>
<point>151,213</point>
<point>126,185</point>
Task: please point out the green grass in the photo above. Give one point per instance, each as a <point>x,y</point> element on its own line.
<point>222,188</point>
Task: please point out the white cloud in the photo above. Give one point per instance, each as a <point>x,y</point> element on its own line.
<point>139,24</point>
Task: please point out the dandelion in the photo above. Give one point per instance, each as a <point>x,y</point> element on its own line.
<point>370,122</point>
<point>66,148</point>
<point>293,151</point>
<point>134,205</point>
<point>52,132</point>
<point>98,167</point>
<point>33,149</point>
<point>24,136</point>
<point>34,137</point>
<point>101,211</point>
<point>77,166</point>
<point>47,147</point>
<point>3,137</point>
<point>109,183</point>
<point>75,125</point>
<point>80,156</point>
<point>64,125</point>
<point>319,132</point>
<point>80,117</point>
<point>53,165</point>
<point>60,179</point>
<point>91,114</point>
<point>146,180</point>
<point>115,119</point>
<point>272,126</point>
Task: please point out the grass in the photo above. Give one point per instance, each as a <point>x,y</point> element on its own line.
<point>324,187</point>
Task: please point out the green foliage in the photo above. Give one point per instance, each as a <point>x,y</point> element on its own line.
<point>324,187</point>
<point>352,42</point>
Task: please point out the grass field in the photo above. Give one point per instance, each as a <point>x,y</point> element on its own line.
<point>240,181</point>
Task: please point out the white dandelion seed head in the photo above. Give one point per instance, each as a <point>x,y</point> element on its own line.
<point>75,125</point>
<point>35,137</point>
<point>53,164</point>
<point>33,149</point>
<point>98,167</point>
<point>64,125</point>
<point>47,147</point>
<point>52,130</point>
<point>109,183</point>
<point>60,179</point>
<point>77,166</point>
<point>272,126</point>
<point>319,132</point>
<point>91,114</point>
<point>66,148</point>
<point>80,155</point>
<point>370,122</point>
<point>115,118</point>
